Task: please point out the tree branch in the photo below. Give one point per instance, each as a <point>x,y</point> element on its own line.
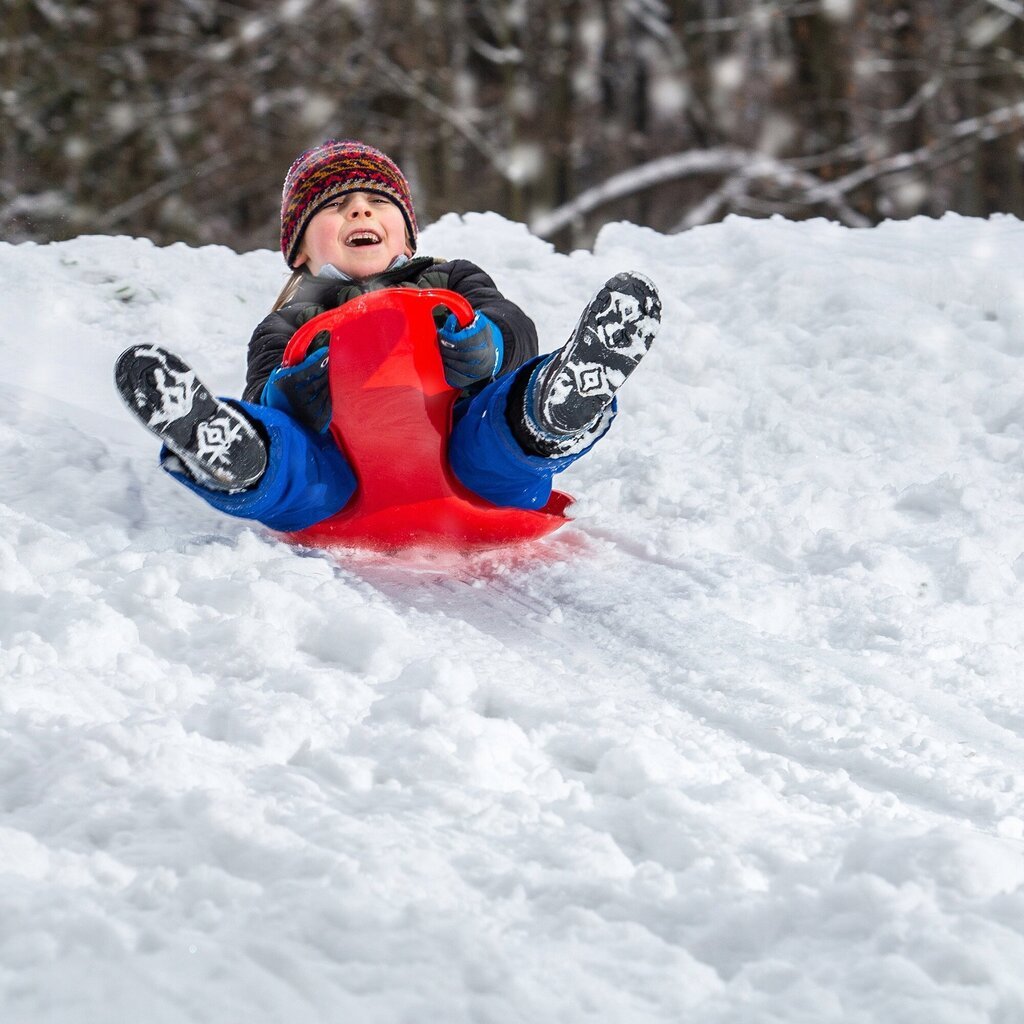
<point>686,165</point>
<point>987,127</point>
<point>1008,7</point>
<point>419,94</point>
<point>110,218</point>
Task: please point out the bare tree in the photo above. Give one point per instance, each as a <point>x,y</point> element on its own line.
<point>177,118</point>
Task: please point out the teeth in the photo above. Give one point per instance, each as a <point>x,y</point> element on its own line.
<point>362,237</point>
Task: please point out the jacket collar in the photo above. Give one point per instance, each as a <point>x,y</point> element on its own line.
<point>315,286</point>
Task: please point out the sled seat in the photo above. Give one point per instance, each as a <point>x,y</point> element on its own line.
<point>392,418</point>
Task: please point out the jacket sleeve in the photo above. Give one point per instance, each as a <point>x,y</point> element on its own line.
<point>517,329</point>
<point>268,342</point>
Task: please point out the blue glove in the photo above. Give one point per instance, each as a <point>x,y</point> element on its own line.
<point>302,391</point>
<point>471,354</point>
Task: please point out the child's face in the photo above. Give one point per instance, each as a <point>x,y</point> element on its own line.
<point>359,233</point>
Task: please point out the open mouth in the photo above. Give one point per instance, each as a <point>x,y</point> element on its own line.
<point>363,238</point>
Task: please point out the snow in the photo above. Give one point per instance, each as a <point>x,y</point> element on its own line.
<point>745,743</point>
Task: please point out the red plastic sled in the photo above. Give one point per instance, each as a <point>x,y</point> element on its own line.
<point>392,418</point>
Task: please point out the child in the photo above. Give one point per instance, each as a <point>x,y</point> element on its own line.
<point>348,227</point>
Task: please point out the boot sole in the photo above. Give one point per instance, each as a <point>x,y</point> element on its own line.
<point>217,444</point>
<point>613,334</point>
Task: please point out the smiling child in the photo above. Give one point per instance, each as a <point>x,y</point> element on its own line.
<point>348,227</point>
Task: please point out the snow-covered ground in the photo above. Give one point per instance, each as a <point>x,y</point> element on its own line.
<point>743,744</point>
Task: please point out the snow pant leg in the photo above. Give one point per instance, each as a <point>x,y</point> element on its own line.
<point>488,460</point>
<point>306,480</point>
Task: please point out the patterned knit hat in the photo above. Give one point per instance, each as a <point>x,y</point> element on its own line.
<point>333,169</point>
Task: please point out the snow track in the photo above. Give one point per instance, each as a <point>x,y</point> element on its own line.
<point>743,744</point>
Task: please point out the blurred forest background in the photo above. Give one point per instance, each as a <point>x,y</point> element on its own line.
<point>177,119</point>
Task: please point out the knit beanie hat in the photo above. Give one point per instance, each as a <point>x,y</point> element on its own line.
<point>333,169</point>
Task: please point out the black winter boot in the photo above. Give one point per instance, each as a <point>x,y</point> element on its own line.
<point>217,444</point>
<point>565,397</point>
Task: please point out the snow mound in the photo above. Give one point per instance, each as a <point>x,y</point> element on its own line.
<point>744,743</point>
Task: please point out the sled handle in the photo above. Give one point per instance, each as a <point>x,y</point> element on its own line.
<point>453,302</point>
<point>423,298</point>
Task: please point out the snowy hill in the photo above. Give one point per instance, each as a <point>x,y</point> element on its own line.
<point>743,744</point>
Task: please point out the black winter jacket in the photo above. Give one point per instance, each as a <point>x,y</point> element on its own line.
<point>318,294</point>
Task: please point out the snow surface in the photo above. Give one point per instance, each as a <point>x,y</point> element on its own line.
<point>743,744</point>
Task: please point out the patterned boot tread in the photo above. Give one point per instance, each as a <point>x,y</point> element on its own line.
<point>612,336</point>
<point>218,444</point>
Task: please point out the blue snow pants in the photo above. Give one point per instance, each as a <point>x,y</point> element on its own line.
<point>308,478</point>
